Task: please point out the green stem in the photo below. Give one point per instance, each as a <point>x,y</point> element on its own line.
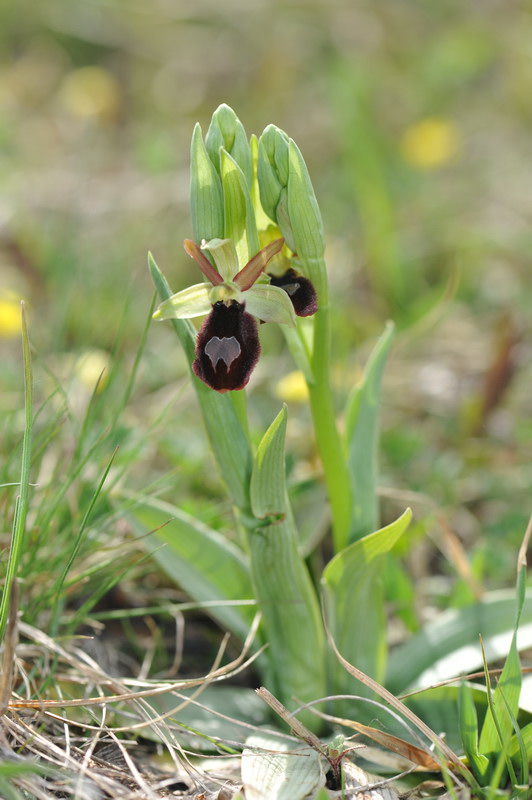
<point>327,437</point>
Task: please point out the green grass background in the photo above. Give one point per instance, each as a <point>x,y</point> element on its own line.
<point>98,105</point>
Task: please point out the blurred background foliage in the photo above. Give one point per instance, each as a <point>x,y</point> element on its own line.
<point>414,119</point>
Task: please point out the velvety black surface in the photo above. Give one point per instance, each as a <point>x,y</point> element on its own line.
<point>300,291</point>
<point>227,347</point>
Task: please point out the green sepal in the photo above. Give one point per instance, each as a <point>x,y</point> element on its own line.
<point>261,218</point>
<point>270,304</point>
<point>206,200</point>
<point>190,302</point>
<point>239,216</point>
<point>227,132</point>
<point>225,257</point>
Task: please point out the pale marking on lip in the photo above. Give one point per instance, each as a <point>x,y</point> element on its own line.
<point>225,349</point>
<point>291,288</point>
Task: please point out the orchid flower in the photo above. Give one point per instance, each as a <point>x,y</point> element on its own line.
<point>227,344</point>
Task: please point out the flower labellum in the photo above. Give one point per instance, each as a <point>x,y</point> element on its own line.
<point>227,347</point>
<point>300,291</point>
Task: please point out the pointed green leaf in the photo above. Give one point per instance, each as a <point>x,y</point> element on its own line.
<point>362,436</point>
<point>199,559</point>
<point>469,733</point>
<point>189,303</point>
<point>225,257</point>
<point>284,591</point>
<point>268,490</point>
<point>354,602</point>
<point>277,769</point>
<point>514,745</point>
<point>504,707</point>
<point>239,225</point>
<point>227,132</point>
<point>270,304</point>
<point>206,201</point>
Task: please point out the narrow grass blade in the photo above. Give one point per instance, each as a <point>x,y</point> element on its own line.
<point>285,595</point>
<point>469,733</point>
<point>200,560</point>
<point>514,745</point>
<point>227,436</point>
<point>442,750</point>
<point>22,502</point>
<point>520,762</point>
<point>495,739</point>
<point>355,605</point>
<point>276,769</point>
<point>503,709</point>
<point>58,587</point>
<point>362,436</point>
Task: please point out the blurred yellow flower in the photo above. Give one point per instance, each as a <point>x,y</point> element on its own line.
<point>91,92</point>
<point>10,316</point>
<point>430,143</point>
<point>292,388</point>
<point>93,366</point>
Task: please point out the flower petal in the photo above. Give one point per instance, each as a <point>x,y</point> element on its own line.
<point>224,253</point>
<point>190,302</point>
<point>227,348</point>
<point>249,274</point>
<point>270,304</point>
<point>192,249</point>
<point>300,291</point>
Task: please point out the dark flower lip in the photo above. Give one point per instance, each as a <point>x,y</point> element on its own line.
<point>227,347</point>
<point>300,291</point>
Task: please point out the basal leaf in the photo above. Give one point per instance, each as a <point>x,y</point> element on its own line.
<point>354,602</point>
<point>362,436</point>
<point>199,559</point>
<point>449,644</point>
